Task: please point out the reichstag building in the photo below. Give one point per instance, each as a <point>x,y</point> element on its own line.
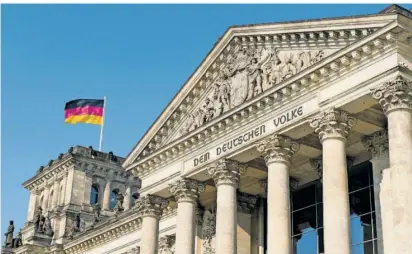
<point>289,138</point>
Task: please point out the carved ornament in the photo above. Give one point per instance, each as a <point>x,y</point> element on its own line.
<point>394,94</point>
<point>277,148</point>
<point>187,190</point>
<point>249,73</point>
<point>377,143</point>
<point>332,123</point>
<point>166,243</point>
<point>151,205</point>
<point>246,202</point>
<point>226,171</point>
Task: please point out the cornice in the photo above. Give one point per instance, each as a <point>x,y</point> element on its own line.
<point>111,230</point>
<point>206,71</point>
<point>49,172</point>
<point>354,55</point>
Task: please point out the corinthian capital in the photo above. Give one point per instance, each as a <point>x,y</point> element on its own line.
<point>186,190</point>
<point>394,94</point>
<point>277,148</point>
<point>377,143</point>
<point>226,171</point>
<point>151,205</point>
<point>332,123</point>
<point>166,242</point>
<point>246,202</point>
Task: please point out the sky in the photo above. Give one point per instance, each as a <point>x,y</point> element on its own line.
<point>137,55</point>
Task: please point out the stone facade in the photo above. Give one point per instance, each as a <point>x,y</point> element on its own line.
<point>276,112</point>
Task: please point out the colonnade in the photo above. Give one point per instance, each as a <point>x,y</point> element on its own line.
<point>393,191</point>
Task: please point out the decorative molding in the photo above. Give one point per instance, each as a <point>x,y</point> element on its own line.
<point>394,94</point>
<point>151,205</point>
<point>209,232</point>
<point>277,148</point>
<point>377,143</point>
<point>226,171</point>
<point>166,243</point>
<point>332,123</point>
<point>246,202</point>
<point>186,190</point>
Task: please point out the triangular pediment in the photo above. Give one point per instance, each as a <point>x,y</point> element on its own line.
<point>247,62</point>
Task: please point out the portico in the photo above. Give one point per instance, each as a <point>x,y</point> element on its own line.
<point>312,133</point>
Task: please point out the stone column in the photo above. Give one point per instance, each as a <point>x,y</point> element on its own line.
<point>377,144</point>
<point>333,127</point>
<point>395,97</point>
<point>33,204</point>
<point>277,151</point>
<point>150,208</point>
<point>245,205</point>
<point>127,197</point>
<point>186,193</point>
<point>45,198</point>
<point>261,227</point>
<point>199,222</point>
<point>226,174</point>
<point>106,194</point>
<point>56,193</point>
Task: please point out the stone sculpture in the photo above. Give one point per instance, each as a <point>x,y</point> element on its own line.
<point>249,73</point>
<point>9,235</point>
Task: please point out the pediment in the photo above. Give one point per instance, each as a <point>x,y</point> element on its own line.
<point>247,62</point>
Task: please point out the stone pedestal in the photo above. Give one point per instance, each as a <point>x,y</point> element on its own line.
<point>395,97</point>
<point>333,128</point>
<point>277,151</point>
<point>226,174</point>
<point>186,192</point>
<point>150,208</point>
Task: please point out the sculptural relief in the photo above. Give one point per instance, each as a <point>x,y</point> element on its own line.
<point>209,232</point>
<point>251,72</point>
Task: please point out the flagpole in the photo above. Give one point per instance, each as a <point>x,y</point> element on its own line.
<point>102,126</point>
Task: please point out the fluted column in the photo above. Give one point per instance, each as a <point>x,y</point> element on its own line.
<point>395,97</point>
<point>333,127</point>
<point>186,193</point>
<point>277,151</point>
<point>106,194</point>
<point>377,144</point>
<point>150,208</point>
<point>226,174</point>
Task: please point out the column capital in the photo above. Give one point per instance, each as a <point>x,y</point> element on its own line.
<point>186,190</point>
<point>277,148</point>
<point>199,210</point>
<point>151,205</point>
<point>264,184</point>
<point>245,202</point>
<point>377,143</point>
<point>317,164</point>
<point>226,171</point>
<point>166,242</point>
<point>332,123</point>
<point>394,94</point>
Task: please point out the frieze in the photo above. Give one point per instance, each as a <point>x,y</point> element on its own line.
<point>251,72</point>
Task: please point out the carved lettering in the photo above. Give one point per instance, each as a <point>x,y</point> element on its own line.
<point>289,116</point>
<point>202,159</point>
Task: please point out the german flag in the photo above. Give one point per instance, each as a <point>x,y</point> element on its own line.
<point>84,111</point>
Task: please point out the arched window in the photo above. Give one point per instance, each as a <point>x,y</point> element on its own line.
<point>94,195</point>
<point>113,196</point>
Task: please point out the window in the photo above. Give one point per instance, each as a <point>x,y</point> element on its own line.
<point>94,195</point>
<point>113,196</point>
<point>307,219</point>
<point>362,208</point>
